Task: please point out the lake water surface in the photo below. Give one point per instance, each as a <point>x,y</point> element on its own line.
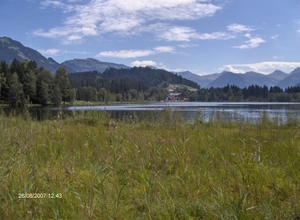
<point>250,111</point>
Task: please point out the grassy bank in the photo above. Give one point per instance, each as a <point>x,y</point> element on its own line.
<point>98,168</point>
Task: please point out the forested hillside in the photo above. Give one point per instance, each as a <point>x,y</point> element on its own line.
<point>135,84</point>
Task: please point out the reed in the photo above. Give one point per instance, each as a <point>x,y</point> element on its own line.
<point>88,166</point>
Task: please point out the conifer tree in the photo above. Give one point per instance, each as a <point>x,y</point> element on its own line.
<point>45,85</point>
<point>15,94</point>
<point>62,80</point>
<point>56,96</point>
<point>29,86</point>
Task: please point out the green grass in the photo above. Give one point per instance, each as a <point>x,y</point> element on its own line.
<point>162,169</point>
<point>180,86</point>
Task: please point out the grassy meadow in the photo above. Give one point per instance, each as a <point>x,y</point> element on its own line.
<point>88,166</point>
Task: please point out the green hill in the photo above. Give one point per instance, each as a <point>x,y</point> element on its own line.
<point>139,78</point>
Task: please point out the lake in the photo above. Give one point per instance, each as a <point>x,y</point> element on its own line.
<point>231,111</point>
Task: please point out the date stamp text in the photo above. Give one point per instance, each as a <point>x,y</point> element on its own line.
<point>40,195</point>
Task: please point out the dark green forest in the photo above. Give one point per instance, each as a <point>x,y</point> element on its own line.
<point>135,84</point>
<point>253,93</point>
<point>23,83</point>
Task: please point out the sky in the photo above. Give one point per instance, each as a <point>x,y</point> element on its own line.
<point>201,36</point>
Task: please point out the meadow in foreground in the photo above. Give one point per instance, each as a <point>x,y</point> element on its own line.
<point>97,168</point>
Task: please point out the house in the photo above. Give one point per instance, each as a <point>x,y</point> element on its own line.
<point>176,97</point>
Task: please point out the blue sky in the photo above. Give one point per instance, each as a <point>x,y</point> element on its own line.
<point>202,36</point>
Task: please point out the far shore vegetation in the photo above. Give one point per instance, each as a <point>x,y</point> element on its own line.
<point>89,166</point>
<point>25,84</point>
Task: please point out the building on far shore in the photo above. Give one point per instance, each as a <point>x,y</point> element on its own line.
<point>176,97</point>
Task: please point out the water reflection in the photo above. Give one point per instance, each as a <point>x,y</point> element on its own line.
<point>188,110</point>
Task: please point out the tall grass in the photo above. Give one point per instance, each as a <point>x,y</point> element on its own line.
<point>149,169</point>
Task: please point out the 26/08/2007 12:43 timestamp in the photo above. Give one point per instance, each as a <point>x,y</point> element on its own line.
<point>39,195</point>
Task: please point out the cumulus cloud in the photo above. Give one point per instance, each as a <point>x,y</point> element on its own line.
<point>230,68</point>
<point>253,42</point>
<point>97,17</point>
<point>143,63</point>
<point>136,53</point>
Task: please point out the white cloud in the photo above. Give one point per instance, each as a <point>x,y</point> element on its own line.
<point>164,49</point>
<point>54,3</point>
<point>180,34</point>
<point>230,68</point>
<point>253,42</point>
<point>73,1</point>
<point>143,63</point>
<point>125,53</point>
<point>55,52</point>
<point>98,16</point>
<point>187,45</point>
<point>275,36</point>
<point>74,38</point>
<point>263,67</point>
<point>188,34</point>
<point>51,52</point>
<point>237,28</point>
<point>136,53</point>
<point>216,36</point>
<point>277,57</point>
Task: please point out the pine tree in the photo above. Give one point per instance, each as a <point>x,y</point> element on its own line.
<point>5,76</point>
<point>29,86</point>
<point>62,80</point>
<point>15,94</point>
<point>43,96</point>
<point>56,96</point>
<point>44,87</point>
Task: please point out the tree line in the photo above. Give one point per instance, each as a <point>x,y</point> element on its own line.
<point>23,83</point>
<point>253,93</point>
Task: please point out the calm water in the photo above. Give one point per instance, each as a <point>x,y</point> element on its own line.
<point>189,110</point>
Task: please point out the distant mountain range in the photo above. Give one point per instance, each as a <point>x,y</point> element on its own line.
<point>10,49</point>
<point>277,78</point>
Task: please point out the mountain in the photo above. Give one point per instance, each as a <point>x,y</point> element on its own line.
<point>89,64</point>
<point>278,75</point>
<point>247,79</point>
<point>292,79</point>
<point>11,49</point>
<point>203,81</point>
